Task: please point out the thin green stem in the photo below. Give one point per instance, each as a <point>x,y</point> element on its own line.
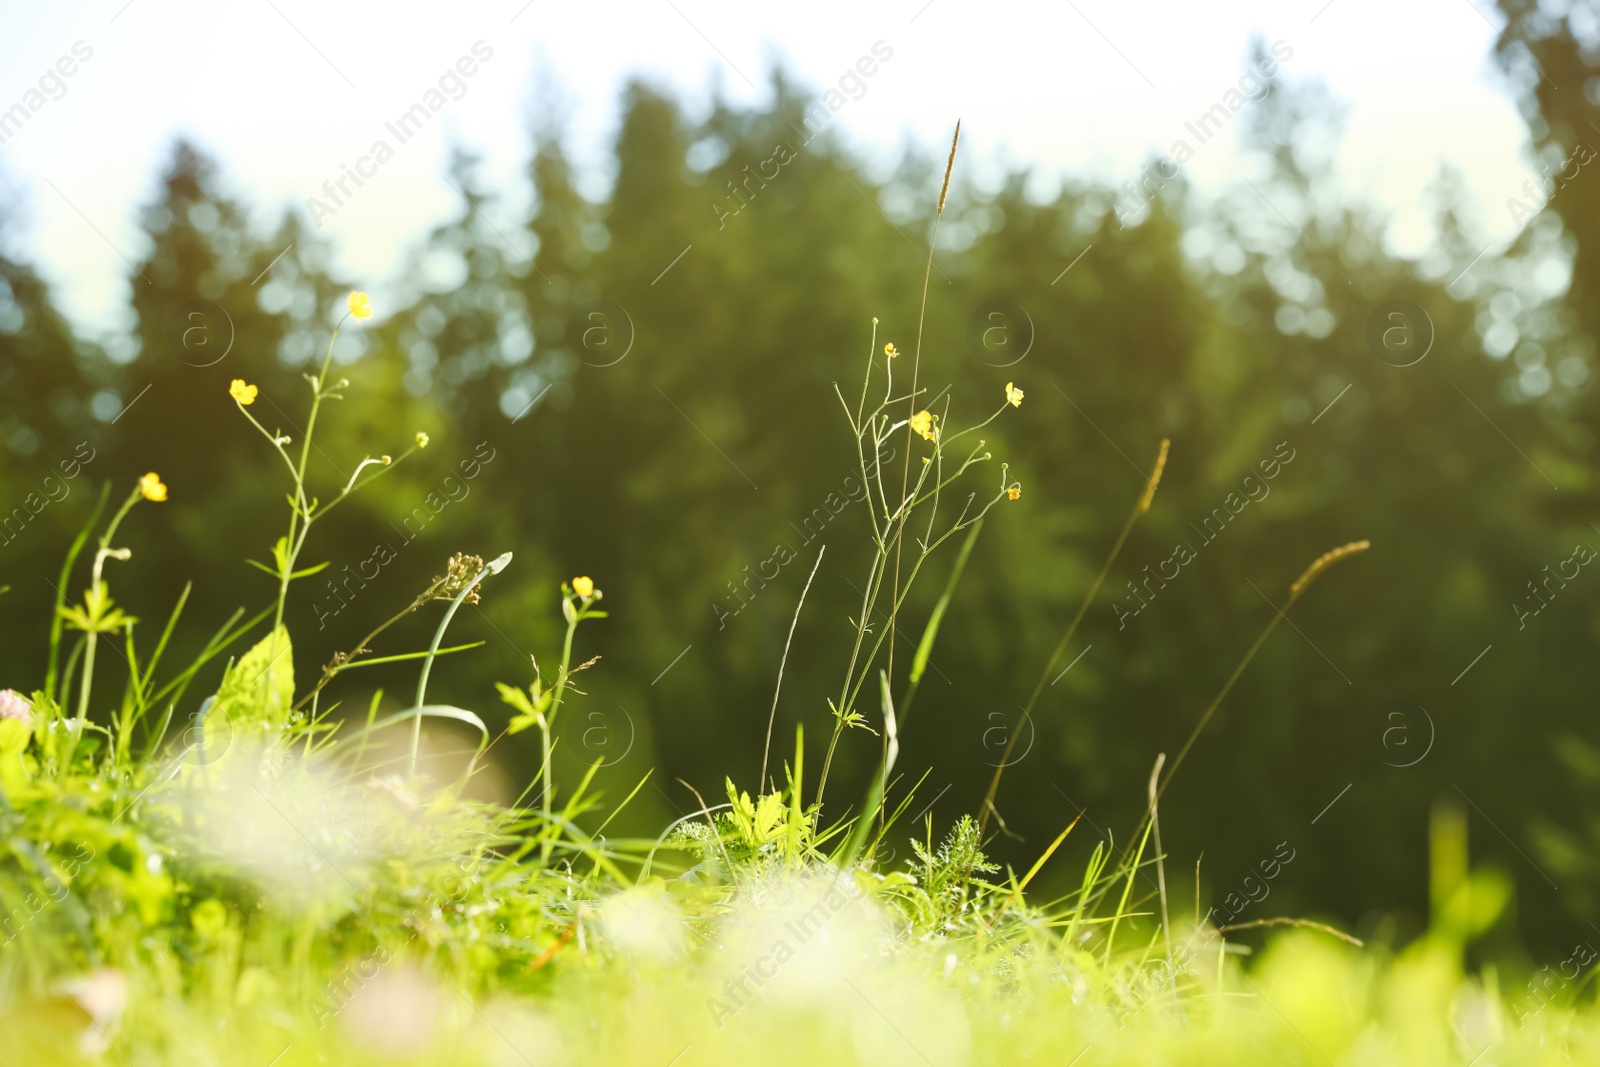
<point>62,582</point>
<point>492,567</point>
<point>905,476</point>
<point>93,611</point>
<point>1072,628</point>
<point>1320,564</point>
<point>328,673</point>
<point>548,727</point>
<point>291,549</point>
<point>1050,665</point>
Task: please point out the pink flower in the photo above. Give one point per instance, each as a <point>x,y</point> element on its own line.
<point>101,995</point>
<point>13,705</point>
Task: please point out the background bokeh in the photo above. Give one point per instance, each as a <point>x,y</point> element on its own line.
<point>639,374</point>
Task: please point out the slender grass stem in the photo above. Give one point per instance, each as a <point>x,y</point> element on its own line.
<point>1072,628</point>
<point>1320,564</point>
<point>773,715</point>
<point>1161,865</point>
<point>347,659</point>
<point>546,731</point>
<point>494,566</point>
<point>916,370</point>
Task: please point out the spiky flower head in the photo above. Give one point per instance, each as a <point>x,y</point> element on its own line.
<point>463,568</point>
<point>1326,560</point>
<point>1155,477</point>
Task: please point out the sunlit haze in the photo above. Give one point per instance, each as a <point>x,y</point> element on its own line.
<point>287,93</point>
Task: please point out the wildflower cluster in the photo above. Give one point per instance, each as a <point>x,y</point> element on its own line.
<point>306,509</point>
<point>874,425</point>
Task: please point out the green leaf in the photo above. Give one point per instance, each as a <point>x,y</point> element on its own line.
<point>403,656</point>
<point>115,620</point>
<point>426,711</point>
<point>891,733</point>
<point>75,618</point>
<point>742,812</point>
<point>258,689</point>
<point>515,697</point>
<point>14,735</point>
<point>280,554</point>
<point>769,815</point>
<point>530,711</point>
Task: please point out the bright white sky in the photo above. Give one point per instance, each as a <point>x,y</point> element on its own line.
<point>286,91</point>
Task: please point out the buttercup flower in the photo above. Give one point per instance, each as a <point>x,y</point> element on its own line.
<point>1014,492</point>
<point>244,394</point>
<point>890,350</point>
<point>922,424</point>
<point>422,439</point>
<point>1013,395</point>
<point>13,705</point>
<point>359,305</point>
<point>152,487</point>
<point>583,586</point>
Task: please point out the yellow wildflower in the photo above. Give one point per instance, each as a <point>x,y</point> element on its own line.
<point>1013,395</point>
<point>359,305</point>
<point>244,394</point>
<point>152,488</point>
<point>922,424</point>
<point>1014,492</point>
<point>422,439</point>
<point>890,350</point>
<point>583,586</point>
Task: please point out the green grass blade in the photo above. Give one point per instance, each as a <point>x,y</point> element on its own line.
<point>919,662</point>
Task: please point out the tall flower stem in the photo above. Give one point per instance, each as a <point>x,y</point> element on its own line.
<point>302,509</point>
<point>94,610</point>
<point>494,566</point>
<point>305,510</point>
<point>548,728</point>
